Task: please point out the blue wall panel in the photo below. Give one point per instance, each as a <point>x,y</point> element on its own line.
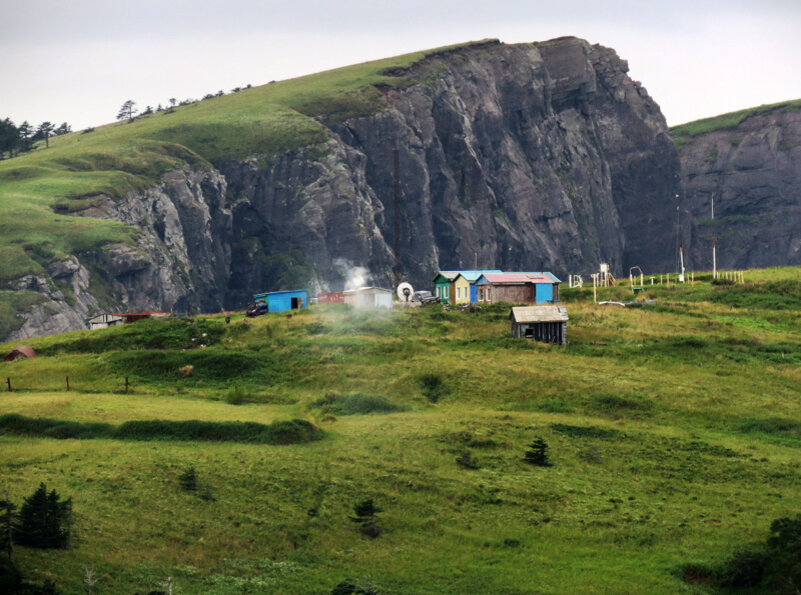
<point>544,293</point>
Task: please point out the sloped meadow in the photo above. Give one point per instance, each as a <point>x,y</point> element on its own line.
<point>673,429</point>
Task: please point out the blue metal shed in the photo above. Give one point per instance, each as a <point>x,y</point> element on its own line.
<point>282,301</point>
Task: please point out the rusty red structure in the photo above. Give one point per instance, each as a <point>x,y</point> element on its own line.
<point>331,297</point>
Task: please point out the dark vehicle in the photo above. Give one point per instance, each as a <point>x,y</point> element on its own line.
<point>256,309</point>
<point>424,297</point>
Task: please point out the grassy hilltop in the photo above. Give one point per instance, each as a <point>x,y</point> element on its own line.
<point>674,432</point>
<point>40,190</point>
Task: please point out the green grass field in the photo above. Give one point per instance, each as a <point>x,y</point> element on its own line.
<point>674,431</point>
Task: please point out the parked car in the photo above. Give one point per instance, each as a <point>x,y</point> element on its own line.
<point>424,297</point>
<point>256,309</point>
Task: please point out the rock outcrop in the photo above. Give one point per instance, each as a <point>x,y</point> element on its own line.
<point>542,156</point>
<point>753,169</point>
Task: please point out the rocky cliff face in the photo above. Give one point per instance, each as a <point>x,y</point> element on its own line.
<point>532,156</point>
<point>522,157</point>
<point>753,170</point>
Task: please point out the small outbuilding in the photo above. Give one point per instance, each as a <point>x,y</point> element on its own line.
<point>369,297</point>
<point>105,321</point>
<point>283,301</point>
<point>546,323</point>
<point>21,352</point>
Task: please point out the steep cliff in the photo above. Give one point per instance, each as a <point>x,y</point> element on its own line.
<point>751,163</point>
<point>521,157</point>
<point>530,156</point>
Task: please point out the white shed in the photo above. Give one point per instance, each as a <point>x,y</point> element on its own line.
<point>105,320</point>
<point>369,297</point>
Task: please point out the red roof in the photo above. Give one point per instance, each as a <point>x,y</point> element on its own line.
<point>501,278</point>
<point>19,352</point>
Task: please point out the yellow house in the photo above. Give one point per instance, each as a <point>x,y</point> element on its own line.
<point>461,290</point>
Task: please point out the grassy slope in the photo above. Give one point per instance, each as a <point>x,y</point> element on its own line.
<point>121,157</point>
<point>697,429</point>
<point>684,132</point>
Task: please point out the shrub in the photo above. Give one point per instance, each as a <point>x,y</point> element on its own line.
<point>365,512</point>
<point>44,520</point>
<point>465,460</point>
<point>350,587</point>
<point>236,396</point>
<point>433,387</point>
<point>357,404</point>
<point>537,453</point>
<point>188,479</point>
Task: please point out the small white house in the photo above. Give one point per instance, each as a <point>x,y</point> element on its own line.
<point>369,297</point>
<point>105,321</point>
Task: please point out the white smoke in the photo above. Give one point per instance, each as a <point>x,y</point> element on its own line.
<point>355,276</point>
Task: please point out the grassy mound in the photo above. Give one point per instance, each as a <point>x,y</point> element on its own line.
<point>280,432</point>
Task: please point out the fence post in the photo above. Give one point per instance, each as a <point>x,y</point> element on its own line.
<point>8,382</point>
<point>126,384</point>
<point>68,384</point>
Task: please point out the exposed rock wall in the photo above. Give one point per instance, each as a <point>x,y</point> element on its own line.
<point>531,156</point>
<point>754,172</point>
<point>521,157</point>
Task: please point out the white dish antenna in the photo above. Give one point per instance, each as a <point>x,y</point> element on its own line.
<point>405,291</point>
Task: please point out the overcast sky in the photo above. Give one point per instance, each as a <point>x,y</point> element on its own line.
<point>78,60</point>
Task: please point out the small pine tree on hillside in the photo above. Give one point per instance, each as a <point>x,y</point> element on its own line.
<point>44,520</point>
<point>366,518</point>
<point>537,453</point>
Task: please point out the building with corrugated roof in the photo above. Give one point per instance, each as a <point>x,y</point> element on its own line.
<point>451,289</point>
<point>283,301</point>
<point>369,297</point>
<point>546,323</point>
<point>518,288</point>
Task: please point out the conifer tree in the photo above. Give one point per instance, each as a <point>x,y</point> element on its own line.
<point>44,520</point>
<point>537,453</point>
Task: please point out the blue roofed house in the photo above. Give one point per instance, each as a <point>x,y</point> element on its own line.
<point>450,288</point>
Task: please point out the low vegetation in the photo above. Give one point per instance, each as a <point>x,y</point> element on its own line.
<point>672,430</point>
<point>684,132</point>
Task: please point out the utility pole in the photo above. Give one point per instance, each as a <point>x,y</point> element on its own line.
<point>681,243</point>
<point>714,241</point>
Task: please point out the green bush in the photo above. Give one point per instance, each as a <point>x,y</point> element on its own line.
<point>357,404</point>
<point>188,479</point>
<point>433,387</point>
<point>365,516</point>
<point>236,396</point>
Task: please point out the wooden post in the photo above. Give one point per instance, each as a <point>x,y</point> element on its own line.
<point>126,384</point>
<point>8,382</point>
<point>68,384</point>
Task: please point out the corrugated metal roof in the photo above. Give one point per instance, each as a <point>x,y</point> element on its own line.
<point>546,313</point>
<point>551,276</point>
<point>373,289</point>
<point>19,352</point>
<point>501,278</point>
<point>471,276</point>
<point>258,296</point>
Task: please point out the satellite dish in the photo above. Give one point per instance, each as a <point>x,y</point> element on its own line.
<point>405,292</point>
